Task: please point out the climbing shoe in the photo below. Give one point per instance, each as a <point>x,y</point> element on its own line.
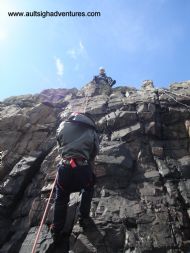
<point>60,239</point>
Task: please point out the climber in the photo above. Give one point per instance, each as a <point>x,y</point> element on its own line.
<point>78,145</point>
<point>102,77</point>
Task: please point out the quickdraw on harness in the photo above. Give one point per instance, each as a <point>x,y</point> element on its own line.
<point>74,162</point>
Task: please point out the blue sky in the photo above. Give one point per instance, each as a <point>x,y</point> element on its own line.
<point>134,40</point>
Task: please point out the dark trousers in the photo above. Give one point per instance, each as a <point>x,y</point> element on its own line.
<point>72,180</point>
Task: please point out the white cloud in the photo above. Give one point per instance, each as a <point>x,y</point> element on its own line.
<point>78,51</point>
<point>59,67</point>
<point>72,53</point>
<point>81,46</point>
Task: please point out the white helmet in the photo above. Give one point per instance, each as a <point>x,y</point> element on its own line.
<point>101,68</point>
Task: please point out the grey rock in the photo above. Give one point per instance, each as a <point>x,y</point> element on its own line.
<point>93,89</point>
<point>43,244</point>
<point>147,85</point>
<point>184,188</point>
<point>21,101</point>
<point>185,166</point>
<point>141,201</point>
<point>180,86</point>
<point>54,96</point>
<point>116,154</point>
<point>128,132</point>
<point>116,120</point>
<point>12,186</point>
<point>162,167</point>
<point>157,151</point>
<point>115,102</point>
<point>123,90</point>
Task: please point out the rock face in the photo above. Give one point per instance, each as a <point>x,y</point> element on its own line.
<point>148,85</point>
<point>142,196</point>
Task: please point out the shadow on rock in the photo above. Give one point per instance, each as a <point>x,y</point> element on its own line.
<point>90,239</point>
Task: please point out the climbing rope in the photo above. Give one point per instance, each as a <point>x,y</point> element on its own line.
<point>188,107</point>
<point>179,95</point>
<point>44,216</point>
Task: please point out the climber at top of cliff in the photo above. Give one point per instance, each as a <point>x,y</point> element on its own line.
<point>103,78</point>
